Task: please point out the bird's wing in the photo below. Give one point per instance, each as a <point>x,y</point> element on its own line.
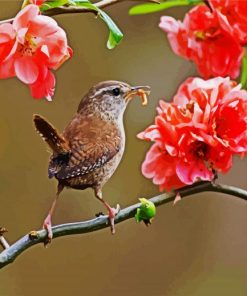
<point>93,143</point>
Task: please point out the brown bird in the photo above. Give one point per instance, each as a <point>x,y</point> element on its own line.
<point>89,150</point>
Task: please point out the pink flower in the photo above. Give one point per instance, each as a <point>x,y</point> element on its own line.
<point>197,134</point>
<point>31,47</point>
<point>235,13</point>
<point>206,39</point>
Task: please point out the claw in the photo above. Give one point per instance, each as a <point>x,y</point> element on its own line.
<point>48,226</point>
<point>112,214</point>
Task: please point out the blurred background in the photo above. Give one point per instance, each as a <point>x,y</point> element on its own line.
<point>196,248</point>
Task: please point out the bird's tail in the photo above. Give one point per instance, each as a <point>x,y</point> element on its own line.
<point>50,135</point>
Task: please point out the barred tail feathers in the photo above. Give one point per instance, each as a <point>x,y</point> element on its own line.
<point>50,135</point>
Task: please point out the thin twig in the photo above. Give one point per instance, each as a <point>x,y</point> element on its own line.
<point>6,21</point>
<point>77,9</point>
<point>9,255</point>
<point>3,241</point>
<point>208,5</point>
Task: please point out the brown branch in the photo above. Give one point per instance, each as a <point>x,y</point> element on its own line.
<point>77,9</point>
<point>9,255</point>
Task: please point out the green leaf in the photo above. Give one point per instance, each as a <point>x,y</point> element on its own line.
<point>52,4</point>
<point>156,7</point>
<point>243,79</point>
<point>115,35</point>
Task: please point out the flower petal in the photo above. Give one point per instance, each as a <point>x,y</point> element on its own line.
<point>7,69</point>
<point>43,26</point>
<point>26,70</point>
<point>23,18</point>
<point>44,87</point>
<point>6,33</point>
<point>177,198</point>
<point>21,35</point>
<point>191,172</point>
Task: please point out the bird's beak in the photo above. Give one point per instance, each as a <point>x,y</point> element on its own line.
<point>140,91</point>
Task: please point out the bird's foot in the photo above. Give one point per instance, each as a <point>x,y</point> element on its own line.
<point>48,226</point>
<point>112,213</point>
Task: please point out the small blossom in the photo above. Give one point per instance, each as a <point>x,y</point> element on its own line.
<point>207,40</point>
<point>197,134</point>
<point>30,48</point>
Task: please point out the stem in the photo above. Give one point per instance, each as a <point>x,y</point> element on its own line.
<point>7,21</point>
<point>77,9</point>
<point>208,5</point>
<point>3,242</point>
<point>9,255</point>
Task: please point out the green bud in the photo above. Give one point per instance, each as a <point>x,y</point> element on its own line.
<point>145,212</point>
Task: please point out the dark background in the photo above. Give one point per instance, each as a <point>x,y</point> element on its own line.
<point>196,248</point>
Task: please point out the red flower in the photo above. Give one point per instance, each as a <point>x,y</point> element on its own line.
<point>235,12</point>
<point>206,39</point>
<point>196,134</point>
<point>30,47</point>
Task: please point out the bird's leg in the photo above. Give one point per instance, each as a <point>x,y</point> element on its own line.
<point>47,222</point>
<point>112,212</point>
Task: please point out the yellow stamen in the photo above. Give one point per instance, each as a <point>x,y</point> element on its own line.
<point>200,35</point>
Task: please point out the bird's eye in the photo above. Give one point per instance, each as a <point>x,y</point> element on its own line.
<point>116,91</point>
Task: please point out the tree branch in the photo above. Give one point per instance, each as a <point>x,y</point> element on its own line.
<point>77,9</point>
<point>9,255</point>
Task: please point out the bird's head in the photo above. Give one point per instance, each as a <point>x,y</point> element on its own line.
<point>111,98</point>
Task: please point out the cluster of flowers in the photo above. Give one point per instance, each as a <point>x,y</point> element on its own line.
<point>31,47</point>
<point>212,36</point>
<point>197,134</point>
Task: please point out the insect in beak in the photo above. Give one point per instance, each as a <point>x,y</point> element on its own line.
<point>140,91</point>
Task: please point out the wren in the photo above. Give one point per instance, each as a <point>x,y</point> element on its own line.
<point>90,148</point>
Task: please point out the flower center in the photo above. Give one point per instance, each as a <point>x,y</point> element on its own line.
<point>29,47</point>
<point>199,149</point>
<point>210,33</point>
<point>190,107</point>
<point>200,35</point>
